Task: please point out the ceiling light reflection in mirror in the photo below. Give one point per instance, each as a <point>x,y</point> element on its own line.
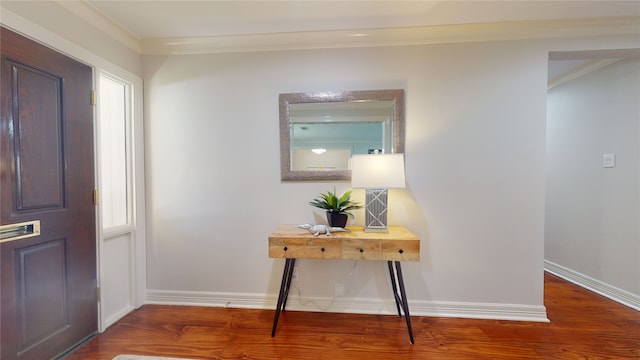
<point>325,135</point>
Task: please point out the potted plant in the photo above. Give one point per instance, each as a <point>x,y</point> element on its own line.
<point>338,208</point>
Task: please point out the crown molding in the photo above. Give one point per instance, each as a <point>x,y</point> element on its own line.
<point>420,35</point>
<point>499,31</point>
<point>90,14</point>
<point>580,71</point>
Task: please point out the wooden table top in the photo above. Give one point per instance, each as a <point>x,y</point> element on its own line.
<point>356,232</point>
<point>399,244</point>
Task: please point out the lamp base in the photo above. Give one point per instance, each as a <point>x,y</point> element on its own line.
<point>376,230</point>
<point>376,210</point>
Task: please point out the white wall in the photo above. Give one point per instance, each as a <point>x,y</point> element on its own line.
<point>475,173</point>
<point>593,213</point>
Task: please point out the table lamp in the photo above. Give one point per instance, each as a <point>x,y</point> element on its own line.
<point>377,173</point>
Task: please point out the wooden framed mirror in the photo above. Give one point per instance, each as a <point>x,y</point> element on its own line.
<point>319,131</point>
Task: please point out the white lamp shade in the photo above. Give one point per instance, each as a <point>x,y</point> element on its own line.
<point>377,171</point>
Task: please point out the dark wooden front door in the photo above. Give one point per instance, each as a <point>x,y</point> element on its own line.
<point>48,282</point>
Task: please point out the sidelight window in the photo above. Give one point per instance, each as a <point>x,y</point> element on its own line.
<point>115,152</point>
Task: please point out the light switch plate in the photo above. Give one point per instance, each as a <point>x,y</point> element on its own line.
<point>609,160</point>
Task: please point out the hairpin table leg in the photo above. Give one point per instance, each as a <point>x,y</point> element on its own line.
<point>287,273</point>
<point>401,299</point>
<point>392,274</point>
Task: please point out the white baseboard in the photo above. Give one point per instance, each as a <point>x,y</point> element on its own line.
<point>350,305</point>
<point>113,318</point>
<point>493,311</point>
<point>616,294</point>
<point>205,298</point>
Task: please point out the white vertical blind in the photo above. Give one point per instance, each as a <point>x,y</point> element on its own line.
<point>113,149</point>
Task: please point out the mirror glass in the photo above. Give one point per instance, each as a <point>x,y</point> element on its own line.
<point>320,131</point>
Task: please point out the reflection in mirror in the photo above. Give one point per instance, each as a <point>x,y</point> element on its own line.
<point>320,131</point>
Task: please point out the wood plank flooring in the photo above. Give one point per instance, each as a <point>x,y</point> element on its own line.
<point>583,325</point>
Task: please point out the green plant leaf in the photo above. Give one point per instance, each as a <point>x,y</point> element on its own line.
<point>334,204</point>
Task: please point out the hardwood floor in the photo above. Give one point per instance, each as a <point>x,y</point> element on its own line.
<point>583,325</point>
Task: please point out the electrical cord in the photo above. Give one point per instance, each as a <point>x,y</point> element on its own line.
<point>322,308</point>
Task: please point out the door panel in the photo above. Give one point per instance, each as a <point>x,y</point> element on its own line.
<point>39,167</point>
<point>42,270</point>
<point>48,282</point>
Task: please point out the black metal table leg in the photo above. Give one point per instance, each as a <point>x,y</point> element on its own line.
<point>401,300</point>
<point>394,287</point>
<point>287,273</point>
<point>288,284</point>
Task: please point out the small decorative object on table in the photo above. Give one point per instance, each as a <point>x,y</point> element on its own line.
<point>322,229</point>
<point>338,208</point>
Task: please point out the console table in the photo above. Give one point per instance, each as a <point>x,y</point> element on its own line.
<point>399,244</point>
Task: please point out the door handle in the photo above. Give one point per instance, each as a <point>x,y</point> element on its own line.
<point>21,230</point>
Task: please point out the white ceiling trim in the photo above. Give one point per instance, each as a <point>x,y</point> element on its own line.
<point>580,71</point>
<point>85,11</point>
<point>393,36</point>
<point>435,34</point>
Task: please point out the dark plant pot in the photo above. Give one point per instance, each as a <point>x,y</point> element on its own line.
<point>337,220</point>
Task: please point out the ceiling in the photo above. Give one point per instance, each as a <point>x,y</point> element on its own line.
<point>207,26</point>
